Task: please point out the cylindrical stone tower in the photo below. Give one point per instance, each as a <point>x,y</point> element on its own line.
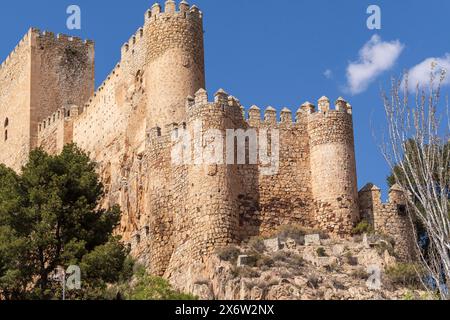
<point>175,61</point>
<point>210,219</point>
<point>333,167</point>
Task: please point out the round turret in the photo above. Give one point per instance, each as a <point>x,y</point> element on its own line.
<point>333,168</point>
<point>175,61</point>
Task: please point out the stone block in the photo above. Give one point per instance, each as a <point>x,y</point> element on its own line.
<point>312,240</point>
<point>273,245</point>
<point>243,260</point>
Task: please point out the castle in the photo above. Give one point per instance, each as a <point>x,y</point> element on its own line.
<point>176,214</point>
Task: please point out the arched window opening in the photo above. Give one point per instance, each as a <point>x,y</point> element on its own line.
<point>6,122</point>
<point>6,135</point>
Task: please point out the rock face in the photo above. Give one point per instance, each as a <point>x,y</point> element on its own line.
<point>346,272</point>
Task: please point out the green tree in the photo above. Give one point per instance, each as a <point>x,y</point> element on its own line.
<point>50,216</point>
<point>147,287</point>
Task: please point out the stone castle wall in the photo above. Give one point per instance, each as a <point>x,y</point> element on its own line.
<point>15,79</point>
<point>176,213</point>
<point>333,168</point>
<point>175,61</point>
<point>194,209</point>
<point>44,73</point>
<point>389,218</point>
<point>62,69</point>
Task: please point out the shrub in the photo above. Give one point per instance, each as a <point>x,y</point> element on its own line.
<point>360,273</point>
<point>229,254</point>
<point>246,272</point>
<point>350,259</point>
<point>383,246</point>
<point>283,258</point>
<point>252,259</point>
<point>405,274</point>
<point>294,232</point>
<point>146,287</point>
<point>363,227</point>
<point>257,244</point>
<point>321,252</point>
<point>265,261</point>
<point>313,282</point>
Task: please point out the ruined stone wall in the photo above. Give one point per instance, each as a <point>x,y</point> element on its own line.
<point>390,219</point>
<point>15,79</point>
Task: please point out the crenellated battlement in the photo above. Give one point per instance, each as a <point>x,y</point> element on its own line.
<point>129,46</point>
<point>270,117</point>
<point>57,117</point>
<point>306,111</point>
<point>158,13</point>
<point>58,38</point>
<point>389,218</point>
<point>170,10</point>
<point>19,47</point>
<point>223,102</point>
<point>287,166</point>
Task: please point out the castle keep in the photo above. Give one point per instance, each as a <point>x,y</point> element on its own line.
<point>175,214</point>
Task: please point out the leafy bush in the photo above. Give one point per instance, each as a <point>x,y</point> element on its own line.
<point>257,244</point>
<point>153,288</point>
<point>350,259</point>
<point>296,233</point>
<point>363,227</point>
<point>313,282</point>
<point>229,254</point>
<point>265,261</point>
<point>321,252</point>
<point>405,274</point>
<point>245,272</point>
<point>360,273</point>
<point>50,215</point>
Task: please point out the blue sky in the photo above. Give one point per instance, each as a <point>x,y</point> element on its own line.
<point>279,53</point>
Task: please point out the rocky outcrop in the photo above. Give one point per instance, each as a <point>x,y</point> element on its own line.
<point>328,269</point>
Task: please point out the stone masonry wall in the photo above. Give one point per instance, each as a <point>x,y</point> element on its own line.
<point>284,197</point>
<point>389,218</point>
<point>173,214</point>
<point>15,79</point>
<point>62,69</point>
<point>175,61</point>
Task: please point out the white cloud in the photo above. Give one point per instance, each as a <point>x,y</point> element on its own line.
<point>328,74</point>
<point>375,57</point>
<point>420,73</point>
